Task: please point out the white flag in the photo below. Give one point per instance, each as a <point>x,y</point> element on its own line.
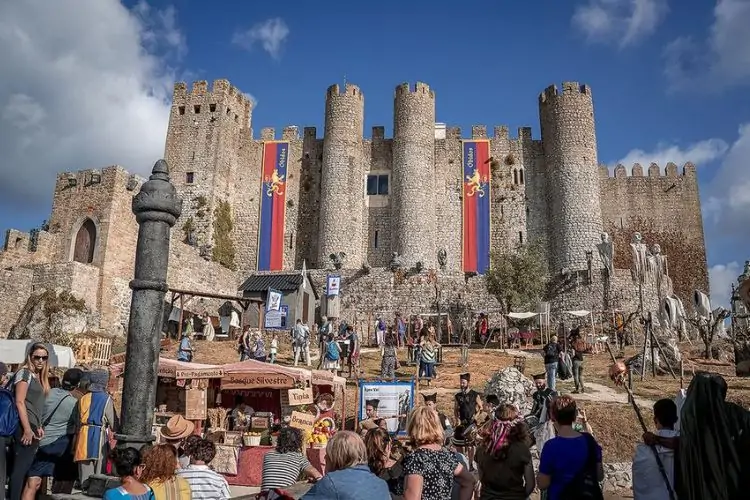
<point>304,274</point>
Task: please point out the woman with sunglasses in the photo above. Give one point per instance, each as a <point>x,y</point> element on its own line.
<point>30,386</point>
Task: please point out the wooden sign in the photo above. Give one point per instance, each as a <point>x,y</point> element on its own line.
<point>256,380</point>
<point>117,358</point>
<point>300,396</point>
<point>195,404</point>
<point>199,373</point>
<point>259,423</point>
<point>302,421</point>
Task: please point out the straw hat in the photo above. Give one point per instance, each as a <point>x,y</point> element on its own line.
<point>176,428</point>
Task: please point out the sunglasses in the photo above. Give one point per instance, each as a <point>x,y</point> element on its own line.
<point>40,358</point>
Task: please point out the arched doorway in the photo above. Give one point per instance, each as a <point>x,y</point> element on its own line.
<point>85,243</point>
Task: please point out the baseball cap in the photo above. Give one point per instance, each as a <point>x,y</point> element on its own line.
<point>71,378</point>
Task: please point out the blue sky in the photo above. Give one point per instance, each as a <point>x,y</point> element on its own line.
<point>670,81</point>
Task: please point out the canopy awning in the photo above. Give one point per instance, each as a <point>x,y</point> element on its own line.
<point>523,315</point>
<point>252,366</point>
<point>579,314</point>
<point>171,368</point>
<point>14,353</point>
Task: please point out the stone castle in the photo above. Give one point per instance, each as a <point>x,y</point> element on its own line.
<point>366,200</point>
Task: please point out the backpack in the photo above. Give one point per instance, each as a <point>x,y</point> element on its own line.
<point>8,413</point>
<point>332,351</point>
<point>584,485</point>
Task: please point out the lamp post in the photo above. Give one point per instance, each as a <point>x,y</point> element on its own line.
<point>156,208</point>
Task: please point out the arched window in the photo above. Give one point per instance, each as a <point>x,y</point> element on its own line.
<point>85,243</point>
<point>515,176</point>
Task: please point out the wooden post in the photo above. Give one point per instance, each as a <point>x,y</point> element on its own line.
<point>682,374</point>
<point>645,350</point>
<point>182,311</point>
<point>653,348</point>
<point>630,386</point>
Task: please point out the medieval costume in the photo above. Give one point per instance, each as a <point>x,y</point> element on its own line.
<point>96,421</point>
<point>431,400</point>
<point>466,406</point>
<point>372,416</point>
<point>713,455</point>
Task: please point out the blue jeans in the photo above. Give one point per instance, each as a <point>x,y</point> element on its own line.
<point>551,370</point>
<point>429,369</point>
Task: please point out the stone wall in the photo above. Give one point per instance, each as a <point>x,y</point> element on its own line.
<point>81,280</point>
<point>15,289</point>
<point>664,206</point>
<point>618,476</point>
<point>189,271</point>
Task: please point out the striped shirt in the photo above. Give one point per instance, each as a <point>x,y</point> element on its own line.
<point>282,470</point>
<point>205,484</point>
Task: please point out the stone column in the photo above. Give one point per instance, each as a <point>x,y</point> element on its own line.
<point>156,208</point>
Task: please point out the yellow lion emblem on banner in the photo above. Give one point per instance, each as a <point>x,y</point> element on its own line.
<point>275,184</point>
<point>474,184</point>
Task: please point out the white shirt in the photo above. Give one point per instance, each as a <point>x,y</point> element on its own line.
<point>205,484</point>
<point>648,483</point>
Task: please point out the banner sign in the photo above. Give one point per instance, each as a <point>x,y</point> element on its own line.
<point>195,404</point>
<point>272,206</point>
<point>199,373</point>
<point>333,285</point>
<point>476,205</point>
<point>394,401</point>
<point>256,380</point>
<point>300,396</point>
<point>273,302</point>
<point>276,320</point>
<point>302,421</point>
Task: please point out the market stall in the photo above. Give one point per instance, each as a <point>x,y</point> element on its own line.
<point>182,388</point>
<point>327,390</point>
<point>252,400</point>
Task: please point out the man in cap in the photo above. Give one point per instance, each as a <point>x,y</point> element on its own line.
<point>541,397</point>
<point>371,411</point>
<point>55,453</point>
<point>430,400</point>
<point>466,404</point>
<point>96,421</point>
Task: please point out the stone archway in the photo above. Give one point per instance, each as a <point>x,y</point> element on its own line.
<point>85,242</point>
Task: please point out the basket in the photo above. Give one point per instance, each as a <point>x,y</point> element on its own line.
<point>251,440</point>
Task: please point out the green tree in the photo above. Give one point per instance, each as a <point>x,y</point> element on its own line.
<point>518,279</point>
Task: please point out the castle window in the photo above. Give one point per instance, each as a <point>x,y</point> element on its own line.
<point>520,175</point>
<point>515,176</point>
<point>181,110</point>
<point>527,211</point>
<point>236,118</point>
<point>189,177</point>
<point>375,240</point>
<point>85,243</point>
<point>501,211</point>
<point>520,237</point>
<point>291,241</point>
<point>228,111</point>
<point>377,184</point>
<point>212,108</point>
<point>197,109</point>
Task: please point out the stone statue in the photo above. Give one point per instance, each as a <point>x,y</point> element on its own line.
<point>673,314</point>
<point>396,262</point>
<point>701,305</point>
<point>337,259</point>
<point>639,252</point>
<point>442,257</point>
<point>607,254</point>
<point>657,266</point>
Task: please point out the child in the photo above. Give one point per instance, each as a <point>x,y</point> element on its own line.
<point>274,348</point>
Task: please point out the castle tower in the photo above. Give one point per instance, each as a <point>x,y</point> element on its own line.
<point>342,185</point>
<point>202,150</point>
<point>569,139</point>
<point>413,212</point>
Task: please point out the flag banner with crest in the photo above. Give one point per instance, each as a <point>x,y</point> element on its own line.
<point>476,205</point>
<point>272,206</point>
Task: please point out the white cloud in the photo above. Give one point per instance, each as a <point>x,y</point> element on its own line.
<point>720,61</point>
<point>699,153</point>
<point>721,277</point>
<point>81,87</point>
<point>621,22</point>
<point>727,197</point>
<point>271,34</point>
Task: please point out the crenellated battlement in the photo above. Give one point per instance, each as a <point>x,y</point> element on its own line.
<point>499,132</point>
<point>568,88</point>
<point>654,170</point>
<point>419,88</point>
<point>289,133</point>
<point>221,91</point>
<point>349,90</point>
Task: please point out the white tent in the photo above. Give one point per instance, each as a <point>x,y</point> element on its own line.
<point>523,315</point>
<point>14,352</point>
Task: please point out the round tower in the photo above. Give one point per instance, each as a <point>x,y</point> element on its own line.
<point>413,213</point>
<point>342,201</point>
<point>569,139</point>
